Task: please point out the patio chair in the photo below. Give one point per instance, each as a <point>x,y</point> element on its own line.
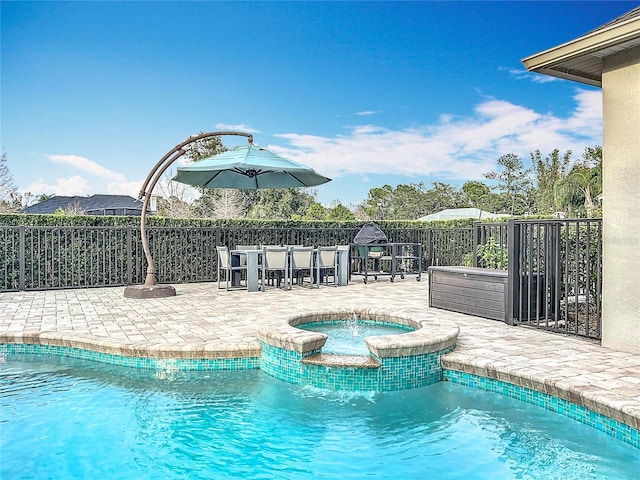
<point>275,260</point>
<point>327,263</point>
<point>302,264</point>
<point>232,273</point>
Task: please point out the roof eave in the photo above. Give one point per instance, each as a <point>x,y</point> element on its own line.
<point>550,61</point>
<point>576,76</point>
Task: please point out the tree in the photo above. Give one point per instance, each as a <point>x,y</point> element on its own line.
<point>478,195</point>
<point>174,207</point>
<point>440,197</point>
<point>411,201</point>
<point>71,209</point>
<point>360,213</point>
<point>315,212</point>
<point>583,183</point>
<point>548,173</point>
<point>475,193</point>
<point>9,197</point>
<point>377,204</point>
<point>176,199</point>
<point>513,181</point>
<point>408,202</point>
<point>278,203</point>
<point>204,148</point>
<point>221,203</point>
<point>340,213</point>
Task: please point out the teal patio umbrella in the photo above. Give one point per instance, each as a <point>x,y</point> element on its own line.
<point>248,167</point>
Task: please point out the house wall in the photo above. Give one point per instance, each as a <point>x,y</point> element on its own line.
<point>621,201</point>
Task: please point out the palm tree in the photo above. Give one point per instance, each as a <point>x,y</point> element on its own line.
<point>582,185</point>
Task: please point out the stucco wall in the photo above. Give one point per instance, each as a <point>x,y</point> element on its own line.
<point>621,203</point>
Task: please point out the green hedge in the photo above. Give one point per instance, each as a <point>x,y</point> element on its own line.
<point>157,221</point>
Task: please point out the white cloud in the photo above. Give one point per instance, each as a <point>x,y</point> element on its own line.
<point>527,75</point>
<point>93,178</point>
<point>368,112</point>
<point>240,127</point>
<point>86,165</point>
<point>454,147</point>
<point>71,186</point>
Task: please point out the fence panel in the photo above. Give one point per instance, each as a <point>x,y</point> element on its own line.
<point>10,258</point>
<point>449,246</point>
<point>490,245</point>
<point>556,275</point>
<point>62,257</point>
<point>180,255</point>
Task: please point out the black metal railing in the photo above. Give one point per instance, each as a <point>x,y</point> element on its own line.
<point>555,266</point>
<point>555,275</point>
<point>37,258</point>
<point>555,271</point>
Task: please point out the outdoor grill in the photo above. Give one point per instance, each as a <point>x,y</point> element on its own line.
<point>373,254</point>
<point>370,234</point>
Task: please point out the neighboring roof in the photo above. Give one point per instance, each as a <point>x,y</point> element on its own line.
<point>93,205</point>
<point>581,59</point>
<point>455,213</point>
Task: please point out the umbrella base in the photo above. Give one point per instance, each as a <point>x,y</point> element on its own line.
<point>149,291</point>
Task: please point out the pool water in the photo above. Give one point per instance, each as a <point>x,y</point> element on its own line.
<point>63,418</point>
<point>346,337</point>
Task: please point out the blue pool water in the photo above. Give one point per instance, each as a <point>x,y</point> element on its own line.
<point>63,418</point>
<point>347,336</point>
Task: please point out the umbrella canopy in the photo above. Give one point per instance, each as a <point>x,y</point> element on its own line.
<point>248,167</point>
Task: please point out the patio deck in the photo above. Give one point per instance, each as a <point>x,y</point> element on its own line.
<point>204,322</point>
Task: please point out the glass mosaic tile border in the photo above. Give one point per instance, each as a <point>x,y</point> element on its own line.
<point>185,364</point>
<point>394,373</point>
<point>612,427</point>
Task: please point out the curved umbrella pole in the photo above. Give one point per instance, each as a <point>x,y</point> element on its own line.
<point>150,289</point>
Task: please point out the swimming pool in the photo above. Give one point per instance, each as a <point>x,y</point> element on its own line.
<point>69,418</point>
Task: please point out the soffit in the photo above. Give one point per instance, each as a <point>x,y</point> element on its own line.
<point>581,59</point>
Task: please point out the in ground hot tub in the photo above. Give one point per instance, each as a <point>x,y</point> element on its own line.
<point>393,362</point>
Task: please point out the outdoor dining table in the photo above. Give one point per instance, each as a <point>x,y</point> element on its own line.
<point>253,266</point>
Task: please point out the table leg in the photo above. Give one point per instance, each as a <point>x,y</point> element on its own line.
<point>252,271</point>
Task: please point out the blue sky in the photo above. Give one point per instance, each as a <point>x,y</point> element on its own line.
<point>367,93</point>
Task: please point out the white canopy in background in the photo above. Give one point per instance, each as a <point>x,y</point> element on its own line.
<point>456,213</point>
